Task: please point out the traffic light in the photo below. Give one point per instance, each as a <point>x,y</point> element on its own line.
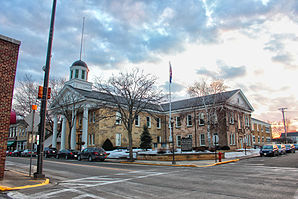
<point>49,93</point>
<point>40,91</point>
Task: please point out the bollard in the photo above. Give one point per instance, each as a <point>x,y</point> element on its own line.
<point>219,156</point>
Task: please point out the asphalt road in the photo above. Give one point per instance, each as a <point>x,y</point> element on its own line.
<point>261,177</point>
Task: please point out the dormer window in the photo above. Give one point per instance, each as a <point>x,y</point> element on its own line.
<point>71,73</point>
<point>77,73</point>
<point>83,74</point>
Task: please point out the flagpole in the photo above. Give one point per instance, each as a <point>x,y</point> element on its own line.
<point>171,138</point>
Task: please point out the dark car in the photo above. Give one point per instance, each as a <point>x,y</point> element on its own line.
<point>296,146</point>
<point>290,148</point>
<point>281,149</point>
<point>93,153</point>
<point>17,153</point>
<point>28,152</point>
<point>67,154</point>
<point>50,152</point>
<point>269,150</point>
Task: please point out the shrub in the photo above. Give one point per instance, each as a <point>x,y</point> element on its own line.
<point>107,145</point>
<point>225,148</point>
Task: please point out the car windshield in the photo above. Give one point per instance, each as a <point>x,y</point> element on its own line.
<point>268,147</point>
<point>288,145</point>
<point>279,146</point>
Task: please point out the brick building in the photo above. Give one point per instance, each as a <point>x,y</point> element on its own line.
<point>261,132</point>
<point>9,50</point>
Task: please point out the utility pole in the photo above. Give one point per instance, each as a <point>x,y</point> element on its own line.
<point>38,174</point>
<point>284,121</point>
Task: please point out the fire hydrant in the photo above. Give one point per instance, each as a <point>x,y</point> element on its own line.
<point>219,156</point>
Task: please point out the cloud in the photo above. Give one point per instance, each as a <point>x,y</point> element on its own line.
<point>223,72</point>
<point>175,87</point>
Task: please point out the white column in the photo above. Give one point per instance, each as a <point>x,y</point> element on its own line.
<point>85,127</point>
<point>54,138</point>
<point>63,132</point>
<point>73,130</point>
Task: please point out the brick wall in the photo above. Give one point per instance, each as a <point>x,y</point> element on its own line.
<point>9,50</point>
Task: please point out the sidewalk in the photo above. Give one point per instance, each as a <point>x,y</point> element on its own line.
<point>14,180</point>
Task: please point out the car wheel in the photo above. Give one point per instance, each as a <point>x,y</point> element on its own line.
<point>90,158</point>
<point>79,158</point>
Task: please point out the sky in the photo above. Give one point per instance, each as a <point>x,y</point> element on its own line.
<point>250,44</point>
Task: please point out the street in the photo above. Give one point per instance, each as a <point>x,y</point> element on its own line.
<point>260,177</point>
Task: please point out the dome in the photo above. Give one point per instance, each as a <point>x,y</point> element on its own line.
<point>79,63</point>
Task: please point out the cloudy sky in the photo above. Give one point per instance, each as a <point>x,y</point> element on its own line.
<point>251,44</point>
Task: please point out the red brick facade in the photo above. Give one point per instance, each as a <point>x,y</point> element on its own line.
<point>9,50</point>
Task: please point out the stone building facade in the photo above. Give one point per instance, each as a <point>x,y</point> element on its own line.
<point>261,132</point>
<point>223,119</point>
<point>9,50</point>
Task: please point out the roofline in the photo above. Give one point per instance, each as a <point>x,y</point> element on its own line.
<point>10,39</point>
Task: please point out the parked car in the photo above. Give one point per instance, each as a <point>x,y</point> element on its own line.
<point>17,153</point>
<point>281,149</point>
<point>93,153</point>
<point>50,152</point>
<point>67,154</point>
<point>27,153</point>
<point>290,148</point>
<point>296,146</point>
<point>269,150</point>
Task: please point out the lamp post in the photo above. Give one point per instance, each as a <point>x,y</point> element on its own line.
<point>38,174</point>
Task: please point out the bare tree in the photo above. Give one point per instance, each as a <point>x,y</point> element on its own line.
<point>209,94</point>
<point>132,93</point>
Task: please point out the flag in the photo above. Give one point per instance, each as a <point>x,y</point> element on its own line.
<point>170,72</point>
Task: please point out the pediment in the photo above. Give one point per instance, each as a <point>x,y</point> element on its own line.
<point>67,95</point>
<point>239,100</point>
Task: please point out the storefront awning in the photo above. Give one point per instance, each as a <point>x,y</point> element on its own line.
<point>9,143</point>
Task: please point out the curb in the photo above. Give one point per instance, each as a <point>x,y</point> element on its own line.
<point>4,188</point>
<point>182,165</point>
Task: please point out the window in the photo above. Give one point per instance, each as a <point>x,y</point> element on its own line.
<point>118,118</point>
<point>252,126</point>
<point>178,121</point>
<point>189,120</point>
<point>118,139</point>
<point>137,120</point>
<point>234,139</point>
<point>71,73</point>
<point>258,139</point>
<point>247,120</point>
<point>253,139</point>
<point>158,123</point>
<point>262,128</point>
<point>76,73</point>
<point>178,140</point>
<point>215,139</point>
<point>158,138</point>
<point>263,139</point>
<point>267,129</point>
<point>190,136</point>
<point>93,116</point>
<point>83,74</point>
<point>214,118</point>
<point>148,119</point>
<point>257,127</point>
<point>268,139</point>
<point>231,139</point>
<point>80,120</point>
<point>201,119</point>
<point>202,139</point>
<point>231,116</point>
